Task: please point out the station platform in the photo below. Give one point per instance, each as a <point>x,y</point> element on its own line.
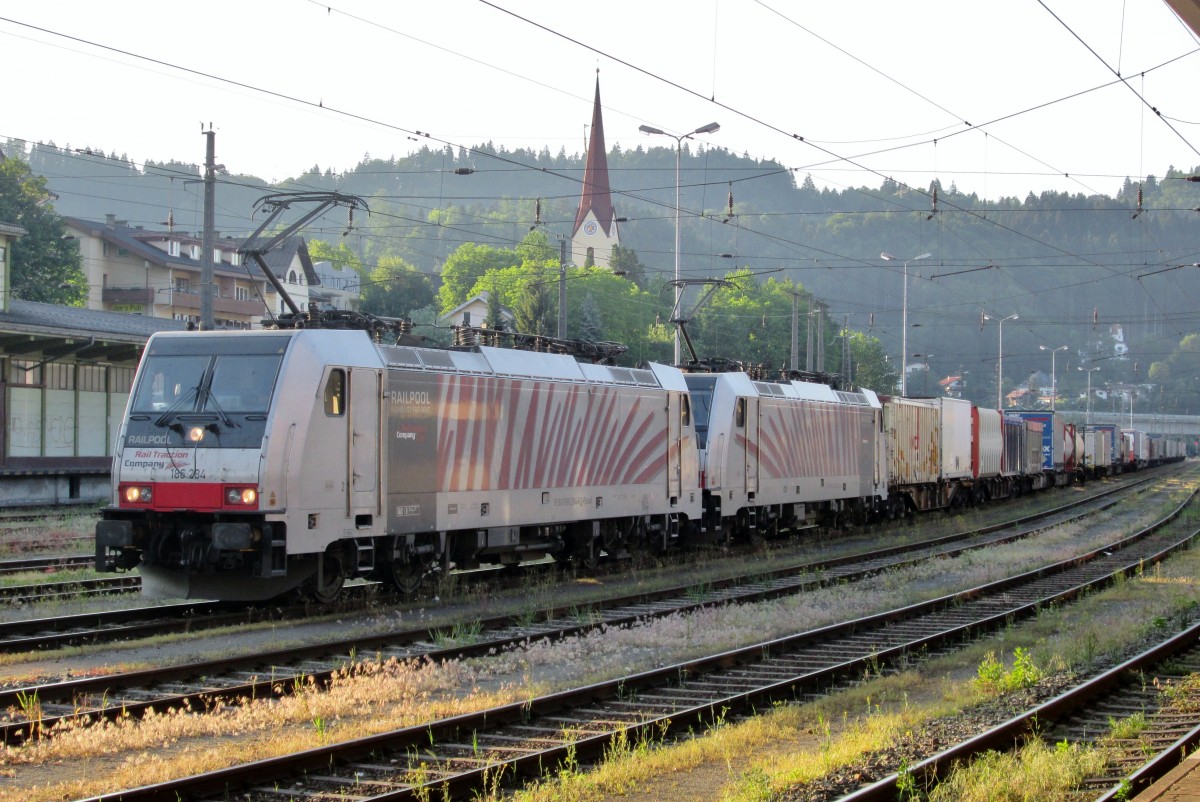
<point>1182,784</point>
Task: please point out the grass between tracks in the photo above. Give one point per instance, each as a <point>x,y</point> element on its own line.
<point>773,756</point>
<point>749,760</point>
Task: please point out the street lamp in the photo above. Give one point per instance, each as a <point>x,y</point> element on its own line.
<point>904,315</point>
<point>1053,375</point>
<point>1000,360</point>
<point>711,128</point>
<point>1089,372</point>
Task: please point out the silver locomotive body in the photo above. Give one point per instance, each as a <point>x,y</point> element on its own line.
<point>787,455</point>
<point>388,461</point>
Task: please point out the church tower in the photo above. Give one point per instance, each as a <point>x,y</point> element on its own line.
<point>595,231</point>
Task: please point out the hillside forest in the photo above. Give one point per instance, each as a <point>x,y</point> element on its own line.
<point>1109,272</point>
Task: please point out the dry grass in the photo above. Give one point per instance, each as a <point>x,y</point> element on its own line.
<point>1036,771</point>
<point>382,696</point>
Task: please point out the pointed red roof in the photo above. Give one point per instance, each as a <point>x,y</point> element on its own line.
<point>596,195</point>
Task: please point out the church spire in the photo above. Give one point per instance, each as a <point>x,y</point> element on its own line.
<point>595,223</point>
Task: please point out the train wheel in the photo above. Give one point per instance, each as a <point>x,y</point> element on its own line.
<point>326,585</point>
<point>404,577</point>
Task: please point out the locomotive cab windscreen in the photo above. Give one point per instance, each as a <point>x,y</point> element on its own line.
<point>217,384</point>
<point>205,391</point>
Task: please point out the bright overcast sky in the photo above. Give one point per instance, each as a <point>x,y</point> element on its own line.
<point>869,84</point>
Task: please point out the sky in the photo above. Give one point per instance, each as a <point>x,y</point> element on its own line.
<point>998,97</point>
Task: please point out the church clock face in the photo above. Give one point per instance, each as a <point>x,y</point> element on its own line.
<point>589,228</point>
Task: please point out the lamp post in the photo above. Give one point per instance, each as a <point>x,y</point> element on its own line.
<point>1053,375</point>
<point>887,257</point>
<point>1000,360</point>
<point>1089,372</point>
<point>704,129</point>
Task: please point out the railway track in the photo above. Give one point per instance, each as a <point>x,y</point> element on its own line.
<point>1154,690</point>
<point>20,515</point>
<point>57,563</point>
<point>472,754</point>
<point>69,589</point>
<point>196,685</point>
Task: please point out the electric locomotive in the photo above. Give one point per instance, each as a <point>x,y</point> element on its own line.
<point>252,463</point>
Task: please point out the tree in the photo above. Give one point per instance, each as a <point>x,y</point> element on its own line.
<point>869,364</point>
<point>46,264</point>
<point>591,327</point>
<point>465,267</point>
<point>533,308</point>
<point>395,288</point>
<point>340,255</point>
<point>495,314</point>
<point>535,247</point>
<point>625,261</point>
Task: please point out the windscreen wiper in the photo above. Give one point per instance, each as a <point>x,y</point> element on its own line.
<point>211,400</point>
<point>176,406</point>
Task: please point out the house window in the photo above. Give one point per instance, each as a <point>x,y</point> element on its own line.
<point>293,277</point>
<point>194,251</point>
<point>235,258</point>
<point>216,256</point>
<point>173,247</point>
<point>183,284</point>
<point>241,293</point>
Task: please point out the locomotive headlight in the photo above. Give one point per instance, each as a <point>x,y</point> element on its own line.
<point>241,496</point>
<point>195,434</point>
<point>137,495</point>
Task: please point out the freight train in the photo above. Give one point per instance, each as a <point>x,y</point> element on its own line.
<point>251,464</point>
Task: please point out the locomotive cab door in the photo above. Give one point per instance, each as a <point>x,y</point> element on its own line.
<point>748,421</point>
<point>674,446</point>
<point>362,444</point>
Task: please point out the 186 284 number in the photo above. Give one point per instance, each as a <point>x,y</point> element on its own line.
<point>187,473</point>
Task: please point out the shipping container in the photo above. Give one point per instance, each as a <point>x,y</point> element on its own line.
<point>913,432</point>
<point>987,442</point>
<point>956,438</point>
<point>1098,451</point>
<point>1137,447</point>
<point>1053,437</point>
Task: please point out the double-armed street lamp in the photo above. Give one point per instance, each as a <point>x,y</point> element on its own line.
<point>711,128</point>
<point>887,257</point>
<point>1089,372</point>
<point>1000,360</point>
<point>1053,375</point>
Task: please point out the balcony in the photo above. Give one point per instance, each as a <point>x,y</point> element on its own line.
<point>127,295</point>
<point>183,300</point>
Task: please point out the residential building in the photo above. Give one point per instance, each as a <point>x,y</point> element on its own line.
<point>339,287</point>
<point>8,234</point>
<point>157,274</point>
<point>473,312</point>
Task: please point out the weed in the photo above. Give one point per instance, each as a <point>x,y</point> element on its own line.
<point>31,709</point>
<point>991,675</point>
<point>906,783</point>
